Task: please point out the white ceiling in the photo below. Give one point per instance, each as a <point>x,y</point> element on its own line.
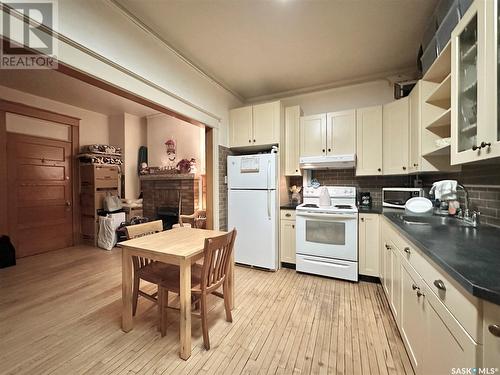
<point>65,89</point>
<point>262,48</point>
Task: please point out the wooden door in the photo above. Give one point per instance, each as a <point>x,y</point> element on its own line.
<point>396,137</point>
<point>287,241</point>
<point>369,243</point>
<point>40,194</point>
<point>412,317</point>
<point>266,123</point>
<point>369,141</point>
<point>313,135</point>
<point>240,127</point>
<point>341,133</point>
<point>292,123</point>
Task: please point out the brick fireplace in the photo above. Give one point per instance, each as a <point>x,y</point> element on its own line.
<point>160,191</point>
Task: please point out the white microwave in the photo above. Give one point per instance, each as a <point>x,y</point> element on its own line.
<point>397,197</point>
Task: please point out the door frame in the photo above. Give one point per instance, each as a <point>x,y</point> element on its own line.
<point>42,114</point>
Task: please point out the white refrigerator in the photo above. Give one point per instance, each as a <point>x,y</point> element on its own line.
<point>252,208</point>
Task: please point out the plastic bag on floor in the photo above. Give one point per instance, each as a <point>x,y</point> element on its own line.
<point>107,233</point>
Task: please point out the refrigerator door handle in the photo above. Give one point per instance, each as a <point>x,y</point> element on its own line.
<point>268,173</point>
<point>269,204</point>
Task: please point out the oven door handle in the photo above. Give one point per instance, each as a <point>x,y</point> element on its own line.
<point>328,216</point>
<point>332,262</point>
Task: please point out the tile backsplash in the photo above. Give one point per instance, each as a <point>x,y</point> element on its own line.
<point>481,181</point>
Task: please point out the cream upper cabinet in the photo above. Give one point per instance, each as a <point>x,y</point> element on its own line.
<point>369,244</point>
<point>287,237</point>
<point>292,126</point>
<point>240,127</point>
<point>313,135</point>
<point>415,105</point>
<point>491,335</point>
<point>475,124</point>
<point>369,141</point>
<point>266,123</point>
<point>341,132</point>
<point>256,125</point>
<point>396,137</point>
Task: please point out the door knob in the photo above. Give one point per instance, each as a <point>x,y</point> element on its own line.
<point>68,203</point>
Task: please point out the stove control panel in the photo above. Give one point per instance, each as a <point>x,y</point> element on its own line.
<point>334,191</point>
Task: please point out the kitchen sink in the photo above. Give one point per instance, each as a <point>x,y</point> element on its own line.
<point>433,220</point>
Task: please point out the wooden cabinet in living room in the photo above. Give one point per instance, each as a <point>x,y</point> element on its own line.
<point>369,141</point>
<point>292,139</point>
<point>396,137</point>
<point>369,244</point>
<point>256,125</point>
<point>287,236</point>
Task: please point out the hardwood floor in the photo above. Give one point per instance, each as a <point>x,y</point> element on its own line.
<point>60,314</point>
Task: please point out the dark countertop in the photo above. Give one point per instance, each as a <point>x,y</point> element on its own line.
<point>470,256</point>
<point>289,206</point>
<point>374,209</point>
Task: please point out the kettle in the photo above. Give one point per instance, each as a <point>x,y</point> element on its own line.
<point>324,197</point>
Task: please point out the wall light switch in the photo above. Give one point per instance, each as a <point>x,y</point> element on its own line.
<point>225,180</point>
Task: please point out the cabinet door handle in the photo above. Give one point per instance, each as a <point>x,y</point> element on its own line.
<point>387,246</point>
<point>323,150</point>
<point>475,147</point>
<point>254,141</point>
<point>296,170</point>
<point>407,250</point>
<point>439,284</point>
<point>414,287</point>
<point>288,215</point>
<point>249,141</point>
<point>419,293</point>
<point>380,169</point>
<point>404,168</point>
<point>484,144</point>
<point>494,329</point>
<point>293,226</point>
<point>329,150</point>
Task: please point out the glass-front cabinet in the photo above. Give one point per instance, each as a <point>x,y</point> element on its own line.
<point>475,124</point>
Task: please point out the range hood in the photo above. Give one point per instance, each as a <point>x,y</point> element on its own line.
<point>328,162</point>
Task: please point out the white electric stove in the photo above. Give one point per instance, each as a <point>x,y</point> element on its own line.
<point>327,236</point>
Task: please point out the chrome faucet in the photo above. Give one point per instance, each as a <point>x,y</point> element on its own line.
<point>470,218</point>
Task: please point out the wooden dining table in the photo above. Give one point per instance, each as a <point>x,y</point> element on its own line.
<point>181,247</point>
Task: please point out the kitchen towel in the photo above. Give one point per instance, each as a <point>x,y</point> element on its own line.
<point>444,190</point>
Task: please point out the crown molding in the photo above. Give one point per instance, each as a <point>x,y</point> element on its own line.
<point>387,76</point>
<point>152,33</point>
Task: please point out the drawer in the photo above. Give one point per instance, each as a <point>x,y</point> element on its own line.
<point>287,214</point>
<point>106,173</point>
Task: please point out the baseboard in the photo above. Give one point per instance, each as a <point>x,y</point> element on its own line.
<point>370,279</point>
<point>288,265</point>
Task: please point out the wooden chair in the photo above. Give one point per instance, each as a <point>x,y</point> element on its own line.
<point>144,268</point>
<point>205,279</point>
<point>197,220</point>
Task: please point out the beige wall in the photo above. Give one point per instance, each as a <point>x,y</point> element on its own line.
<point>341,98</point>
<point>135,137</point>
<point>190,140</point>
<point>94,127</point>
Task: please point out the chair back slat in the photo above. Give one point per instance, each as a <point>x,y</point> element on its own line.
<point>141,230</point>
<point>217,255</point>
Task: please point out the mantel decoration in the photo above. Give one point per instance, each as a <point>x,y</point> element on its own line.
<point>184,166</point>
<point>171,153</point>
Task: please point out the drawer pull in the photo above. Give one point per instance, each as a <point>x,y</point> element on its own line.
<point>407,250</point>
<point>419,293</point>
<point>439,284</point>
<point>414,287</point>
<point>494,329</point>
<point>288,215</point>
<point>387,247</point>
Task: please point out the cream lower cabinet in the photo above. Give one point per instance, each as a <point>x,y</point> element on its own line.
<point>396,137</point>
<point>287,236</point>
<point>292,130</point>
<point>369,141</point>
<point>491,335</point>
<point>369,244</point>
<point>435,338</point>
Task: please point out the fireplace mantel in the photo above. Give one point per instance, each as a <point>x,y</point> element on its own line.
<point>167,176</point>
